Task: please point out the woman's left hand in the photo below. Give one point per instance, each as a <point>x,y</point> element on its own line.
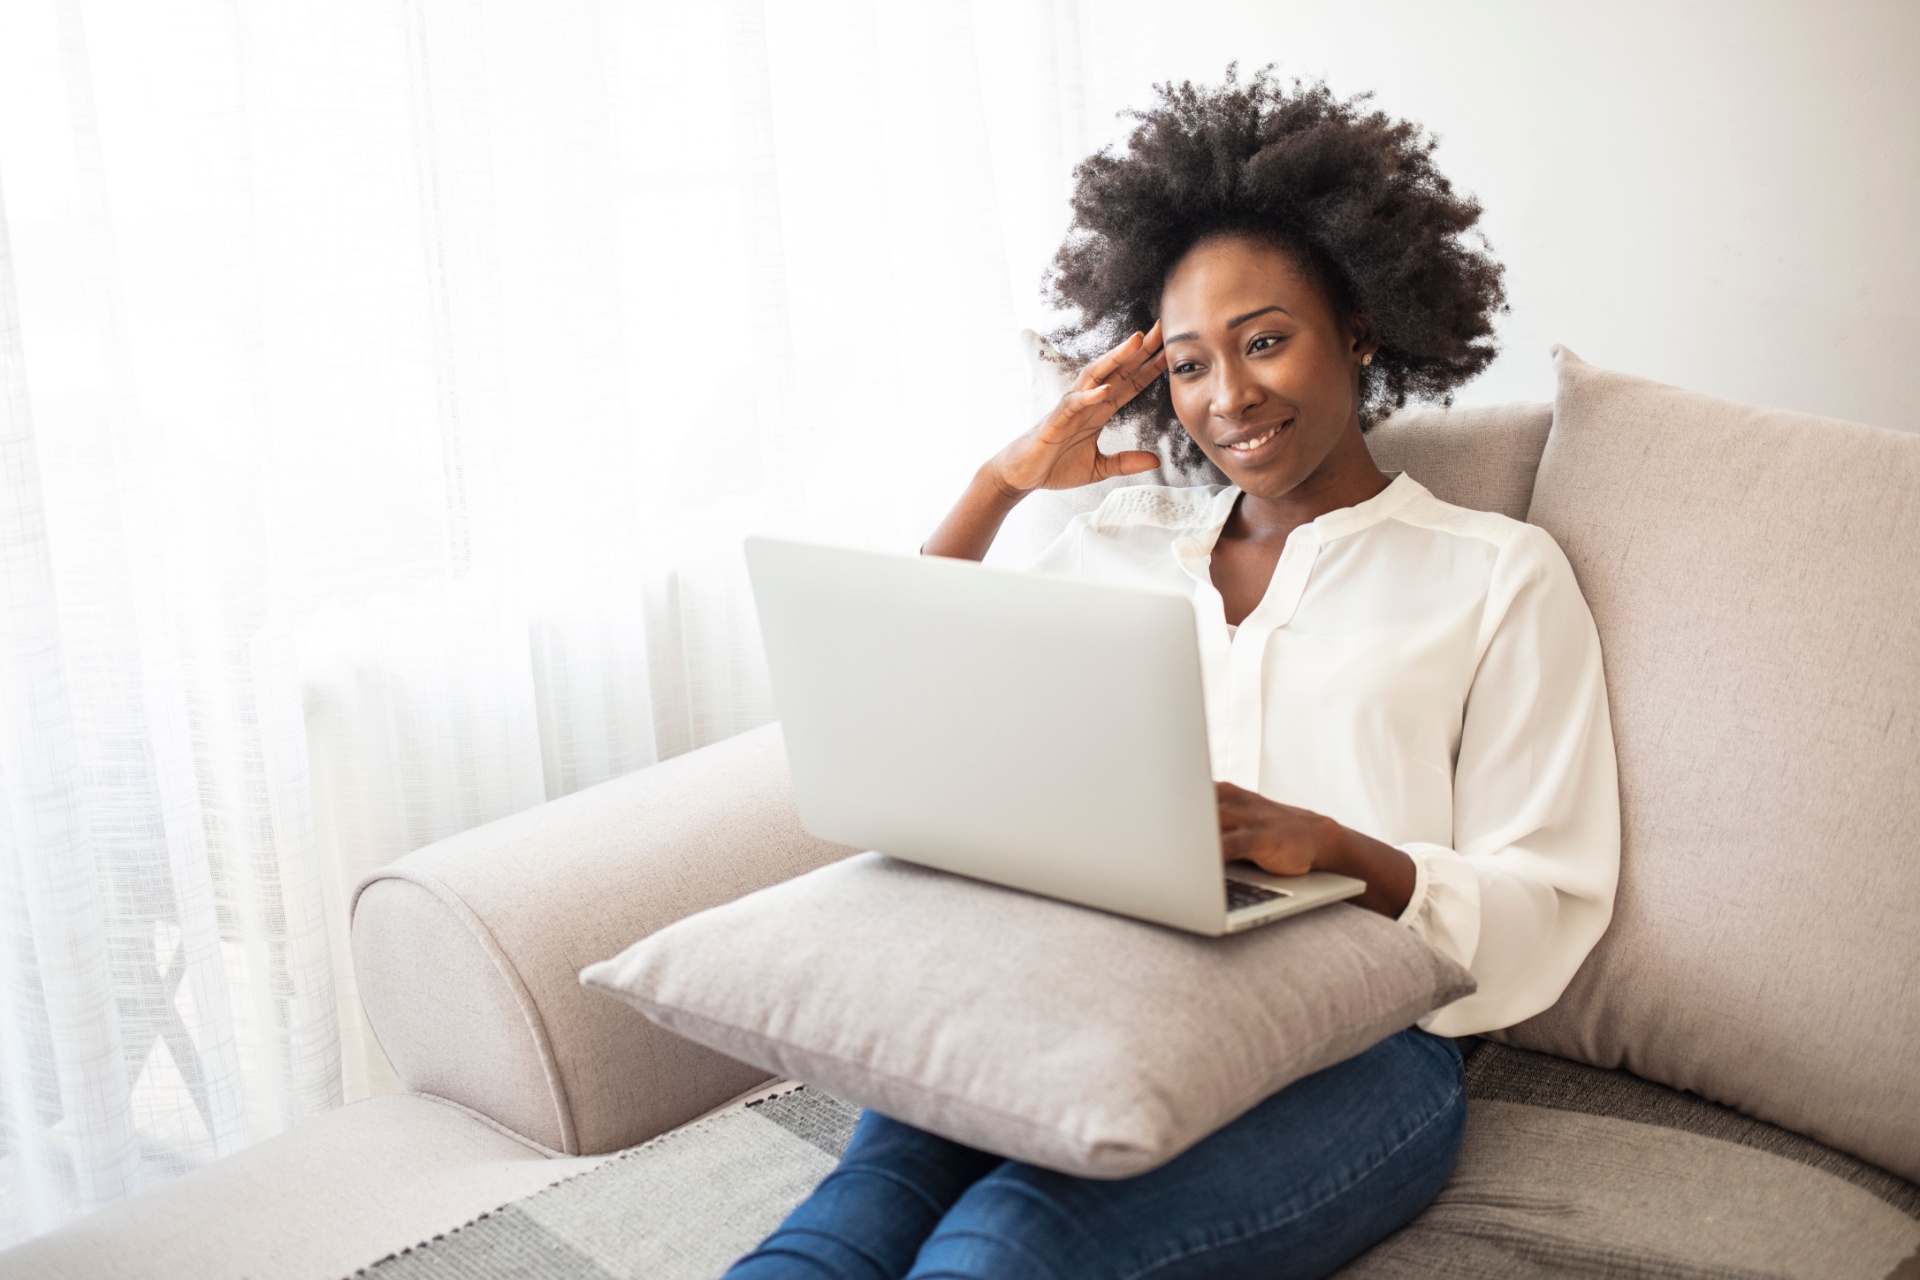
<point>1286,841</point>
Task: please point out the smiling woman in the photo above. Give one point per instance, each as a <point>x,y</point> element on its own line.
<point>1265,374</point>
<point>1397,689</point>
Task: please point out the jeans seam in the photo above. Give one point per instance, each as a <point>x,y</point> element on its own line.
<point>770,1247</point>
<point>1028,1192</point>
<point>1458,1088</point>
<point>1004,1241</point>
<point>939,1210</point>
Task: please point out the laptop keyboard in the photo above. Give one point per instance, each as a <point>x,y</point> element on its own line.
<point>1241,894</point>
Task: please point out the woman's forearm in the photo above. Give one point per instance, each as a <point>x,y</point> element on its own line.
<point>1389,873</point>
<point>970,527</point>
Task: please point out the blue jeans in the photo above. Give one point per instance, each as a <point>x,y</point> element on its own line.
<point>1295,1187</point>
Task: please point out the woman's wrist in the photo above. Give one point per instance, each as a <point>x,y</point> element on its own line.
<point>994,481</point>
<point>970,527</point>
<point>1389,873</point>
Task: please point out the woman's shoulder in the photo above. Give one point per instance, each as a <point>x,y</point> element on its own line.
<point>1522,553</point>
<point>1156,506</point>
<point>1508,535</point>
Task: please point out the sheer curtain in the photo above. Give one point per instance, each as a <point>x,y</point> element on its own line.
<point>385,386</point>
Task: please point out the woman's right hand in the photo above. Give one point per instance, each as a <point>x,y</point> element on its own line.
<point>1062,450</point>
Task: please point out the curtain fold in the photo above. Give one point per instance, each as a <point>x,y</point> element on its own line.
<point>385,387</point>
<point>60,1043</point>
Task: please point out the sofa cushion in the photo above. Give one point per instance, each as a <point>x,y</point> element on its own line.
<point>1566,1171</point>
<point>682,1207</point>
<point>1570,1170</point>
<point>331,1195</point>
<point>1065,1037</point>
<point>1753,576</point>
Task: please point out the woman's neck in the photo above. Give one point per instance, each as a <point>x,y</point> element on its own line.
<point>1347,477</point>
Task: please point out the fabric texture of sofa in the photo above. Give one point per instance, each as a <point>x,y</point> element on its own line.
<point>1753,575</point>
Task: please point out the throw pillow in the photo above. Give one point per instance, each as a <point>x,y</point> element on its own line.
<point>1753,575</point>
<point>1041,1031</point>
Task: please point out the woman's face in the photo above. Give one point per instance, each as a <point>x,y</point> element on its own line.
<point>1263,376</point>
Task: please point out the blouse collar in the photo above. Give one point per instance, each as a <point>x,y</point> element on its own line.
<point>1196,548</point>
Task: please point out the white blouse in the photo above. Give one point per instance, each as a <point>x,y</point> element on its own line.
<point>1423,674</point>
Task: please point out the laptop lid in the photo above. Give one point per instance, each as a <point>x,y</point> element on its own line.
<point>1035,731</point>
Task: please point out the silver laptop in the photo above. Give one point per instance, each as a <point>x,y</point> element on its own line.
<point>1034,731</point>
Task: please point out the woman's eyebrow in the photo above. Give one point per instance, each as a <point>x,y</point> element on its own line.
<point>1234,323</point>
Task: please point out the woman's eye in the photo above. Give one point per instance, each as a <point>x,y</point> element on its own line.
<point>1185,366</point>
<point>1264,341</point>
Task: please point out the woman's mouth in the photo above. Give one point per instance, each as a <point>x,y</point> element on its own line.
<point>1247,448</point>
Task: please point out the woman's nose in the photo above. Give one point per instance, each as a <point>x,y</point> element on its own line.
<point>1233,393</point>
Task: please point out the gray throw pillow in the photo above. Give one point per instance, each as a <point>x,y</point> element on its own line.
<point>1040,1031</point>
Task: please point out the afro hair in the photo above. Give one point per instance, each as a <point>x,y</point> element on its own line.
<point>1351,194</point>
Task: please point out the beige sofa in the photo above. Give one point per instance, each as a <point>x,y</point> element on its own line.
<point>1754,577</point>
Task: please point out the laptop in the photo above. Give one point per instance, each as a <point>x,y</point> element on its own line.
<point>1033,731</point>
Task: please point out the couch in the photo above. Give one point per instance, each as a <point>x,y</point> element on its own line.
<point>1731,1086</point>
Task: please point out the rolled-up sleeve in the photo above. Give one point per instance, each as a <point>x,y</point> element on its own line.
<point>1527,888</point>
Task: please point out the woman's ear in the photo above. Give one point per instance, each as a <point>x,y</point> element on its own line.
<point>1363,342</point>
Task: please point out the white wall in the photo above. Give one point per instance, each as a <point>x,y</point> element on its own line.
<point>1723,194</point>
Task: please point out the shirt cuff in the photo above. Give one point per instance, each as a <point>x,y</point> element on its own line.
<point>1421,879</point>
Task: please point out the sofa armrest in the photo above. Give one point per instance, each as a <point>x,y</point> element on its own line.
<point>468,952</point>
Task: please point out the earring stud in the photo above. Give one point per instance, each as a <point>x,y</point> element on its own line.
<point>1367,358</point>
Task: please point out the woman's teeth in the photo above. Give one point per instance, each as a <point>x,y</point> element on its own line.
<point>1248,446</point>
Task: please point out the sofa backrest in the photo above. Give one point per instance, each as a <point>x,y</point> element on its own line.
<point>1755,576</point>
<point>1483,457</point>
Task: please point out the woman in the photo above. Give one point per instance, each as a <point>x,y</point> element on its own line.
<point>1398,689</point>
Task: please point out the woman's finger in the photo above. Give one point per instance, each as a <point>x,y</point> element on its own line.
<point>1079,412</point>
<point>1233,815</point>
<point>1099,370</point>
<point>1129,462</point>
<point>1146,354</point>
<point>1093,399</point>
<point>1150,345</point>
<point>1142,376</point>
<point>1075,403</point>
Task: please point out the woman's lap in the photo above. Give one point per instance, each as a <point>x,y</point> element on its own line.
<point>1304,1181</point>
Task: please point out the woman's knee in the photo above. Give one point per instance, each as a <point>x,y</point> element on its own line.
<point>1007,1227</point>
<point>1412,1089</point>
<point>937,1168</point>
<point>1411,1172</point>
<point>866,1220</point>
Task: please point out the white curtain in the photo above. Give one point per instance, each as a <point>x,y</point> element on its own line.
<point>385,386</point>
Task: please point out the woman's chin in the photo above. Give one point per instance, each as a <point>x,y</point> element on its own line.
<point>1272,478</point>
